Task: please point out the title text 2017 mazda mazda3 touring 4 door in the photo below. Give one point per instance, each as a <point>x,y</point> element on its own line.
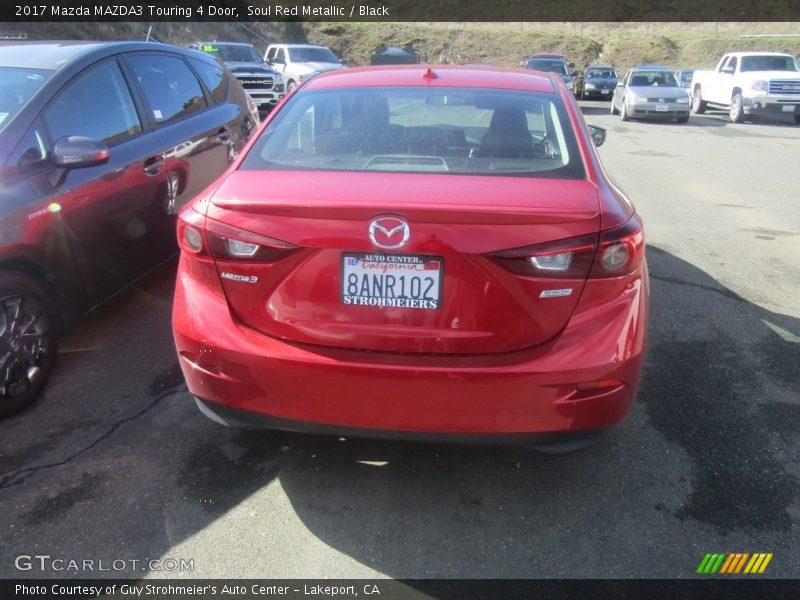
<point>100,144</point>
<point>416,253</point>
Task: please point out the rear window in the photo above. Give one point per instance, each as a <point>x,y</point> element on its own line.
<point>447,130</point>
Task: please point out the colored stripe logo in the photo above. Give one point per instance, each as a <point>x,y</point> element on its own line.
<point>734,563</point>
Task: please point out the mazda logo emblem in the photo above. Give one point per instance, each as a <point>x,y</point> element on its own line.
<point>389,232</point>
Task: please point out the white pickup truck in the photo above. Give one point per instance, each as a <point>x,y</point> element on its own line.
<point>298,62</point>
<point>749,83</point>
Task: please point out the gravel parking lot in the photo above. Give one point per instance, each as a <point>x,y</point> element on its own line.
<point>116,463</point>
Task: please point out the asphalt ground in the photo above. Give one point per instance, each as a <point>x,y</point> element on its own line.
<point>116,463</point>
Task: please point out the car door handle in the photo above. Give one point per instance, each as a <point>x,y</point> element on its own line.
<point>224,134</point>
<point>154,165</point>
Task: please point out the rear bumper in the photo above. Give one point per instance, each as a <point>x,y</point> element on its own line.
<point>584,379</point>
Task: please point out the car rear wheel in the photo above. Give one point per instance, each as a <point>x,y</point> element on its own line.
<point>624,112</point>
<point>28,341</point>
<point>698,104</point>
<point>683,120</point>
<point>736,111</point>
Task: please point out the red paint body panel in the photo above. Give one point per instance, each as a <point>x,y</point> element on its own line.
<point>228,363</point>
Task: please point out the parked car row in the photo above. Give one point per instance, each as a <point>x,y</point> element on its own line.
<point>465,239</point>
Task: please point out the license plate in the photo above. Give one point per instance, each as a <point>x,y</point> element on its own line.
<point>392,280</point>
<point>662,108</point>
<point>788,108</point>
<point>259,101</point>
<point>604,91</point>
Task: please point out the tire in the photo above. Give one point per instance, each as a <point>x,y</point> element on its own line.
<point>797,119</point>
<point>736,111</point>
<point>290,86</point>
<point>683,120</point>
<point>613,109</point>
<point>623,114</point>
<point>698,104</point>
<point>28,341</point>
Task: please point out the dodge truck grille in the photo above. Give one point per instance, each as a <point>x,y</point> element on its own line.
<point>256,83</point>
<point>785,87</point>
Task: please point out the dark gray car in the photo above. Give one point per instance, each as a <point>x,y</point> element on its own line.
<point>100,145</point>
<point>597,82</point>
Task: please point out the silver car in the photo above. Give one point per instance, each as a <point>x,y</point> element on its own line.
<point>651,93</point>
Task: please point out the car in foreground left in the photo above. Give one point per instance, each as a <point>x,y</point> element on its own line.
<point>100,145</point>
<point>420,253</point>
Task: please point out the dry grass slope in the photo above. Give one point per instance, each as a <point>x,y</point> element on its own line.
<point>501,44</point>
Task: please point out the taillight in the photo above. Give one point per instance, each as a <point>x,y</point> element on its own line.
<point>621,250</point>
<point>190,231</point>
<point>232,243</point>
<point>565,259</point>
<point>613,253</point>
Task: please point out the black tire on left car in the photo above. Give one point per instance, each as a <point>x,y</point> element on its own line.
<point>28,341</point>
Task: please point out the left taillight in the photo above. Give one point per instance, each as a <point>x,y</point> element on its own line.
<point>203,237</point>
<point>190,232</point>
<point>231,243</point>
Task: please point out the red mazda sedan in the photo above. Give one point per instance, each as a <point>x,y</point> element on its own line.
<point>419,253</point>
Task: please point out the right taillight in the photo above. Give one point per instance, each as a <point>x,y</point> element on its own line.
<point>620,250</point>
<point>614,253</point>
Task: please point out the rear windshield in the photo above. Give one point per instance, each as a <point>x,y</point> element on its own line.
<point>447,130</point>
<point>16,87</point>
<point>769,63</point>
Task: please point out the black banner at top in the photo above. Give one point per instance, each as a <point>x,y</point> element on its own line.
<point>400,10</point>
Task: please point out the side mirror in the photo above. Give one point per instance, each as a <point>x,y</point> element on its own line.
<point>75,152</point>
<point>598,134</point>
